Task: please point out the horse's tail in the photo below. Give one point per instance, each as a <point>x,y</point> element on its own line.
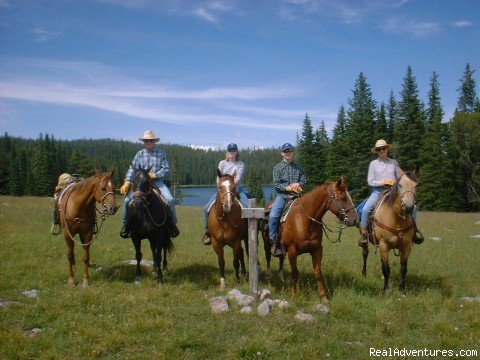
<point>167,244</point>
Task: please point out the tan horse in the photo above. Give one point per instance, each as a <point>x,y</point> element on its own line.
<point>302,230</point>
<point>226,226</point>
<point>392,225</point>
<point>77,215</point>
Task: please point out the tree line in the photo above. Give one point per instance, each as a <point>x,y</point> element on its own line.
<point>445,153</point>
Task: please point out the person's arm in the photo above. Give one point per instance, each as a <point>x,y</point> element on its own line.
<point>372,176</point>
<point>303,179</point>
<point>240,171</point>
<point>163,168</point>
<point>134,164</point>
<point>279,183</point>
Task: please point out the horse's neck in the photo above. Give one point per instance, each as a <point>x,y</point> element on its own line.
<point>316,201</point>
<point>85,195</point>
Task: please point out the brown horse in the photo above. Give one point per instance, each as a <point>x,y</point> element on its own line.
<point>77,215</point>
<point>302,230</point>
<point>392,225</point>
<point>226,226</point>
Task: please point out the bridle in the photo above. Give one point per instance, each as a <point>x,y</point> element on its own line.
<point>143,197</point>
<point>233,195</point>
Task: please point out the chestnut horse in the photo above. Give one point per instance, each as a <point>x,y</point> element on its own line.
<point>226,226</point>
<point>77,215</point>
<point>302,230</point>
<point>393,225</point>
<point>147,217</point>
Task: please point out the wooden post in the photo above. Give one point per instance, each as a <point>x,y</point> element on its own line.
<point>252,213</point>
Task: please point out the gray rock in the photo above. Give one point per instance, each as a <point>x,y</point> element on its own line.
<point>471,299</point>
<point>322,308</point>
<point>283,304</point>
<point>31,293</point>
<point>265,294</point>
<point>246,310</point>
<point>264,308</point>
<point>302,317</point>
<point>219,304</point>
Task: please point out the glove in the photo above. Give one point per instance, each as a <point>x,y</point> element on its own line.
<point>152,175</point>
<point>125,187</point>
<point>298,189</point>
<point>288,188</point>
<point>388,182</point>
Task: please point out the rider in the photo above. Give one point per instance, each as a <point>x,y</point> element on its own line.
<point>155,159</point>
<point>288,179</point>
<point>382,174</point>
<point>231,165</point>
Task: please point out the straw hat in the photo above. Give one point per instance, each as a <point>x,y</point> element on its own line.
<point>379,144</point>
<point>149,135</point>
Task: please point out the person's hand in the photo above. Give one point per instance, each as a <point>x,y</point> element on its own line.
<point>125,187</point>
<point>288,188</point>
<point>152,175</point>
<point>389,182</point>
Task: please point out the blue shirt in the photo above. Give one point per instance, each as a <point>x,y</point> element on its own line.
<point>156,159</point>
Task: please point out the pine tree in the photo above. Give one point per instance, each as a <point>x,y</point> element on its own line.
<point>254,184</point>
<point>360,135</point>
<point>322,147</point>
<point>410,125</point>
<point>306,152</point>
<point>392,118</point>
<point>467,100</point>
<point>381,125</point>
<point>80,164</point>
<point>437,190</point>
<point>338,157</point>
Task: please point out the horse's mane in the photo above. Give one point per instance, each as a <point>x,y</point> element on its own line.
<point>393,192</point>
<point>228,176</point>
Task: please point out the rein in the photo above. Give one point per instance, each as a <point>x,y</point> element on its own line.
<point>344,212</point>
<point>143,196</point>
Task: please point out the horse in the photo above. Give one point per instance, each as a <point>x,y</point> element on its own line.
<point>147,218</point>
<point>302,230</point>
<point>226,226</point>
<point>267,242</point>
<point>392,225</point>
<point>77,208</point>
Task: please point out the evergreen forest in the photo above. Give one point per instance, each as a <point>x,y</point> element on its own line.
<point>444,152</point>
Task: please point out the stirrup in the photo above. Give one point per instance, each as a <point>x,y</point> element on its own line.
<point>363,241</point>
<point>55,229</point>
<point>418,237</point>
<point>276,250</point>
<point>125,233</point>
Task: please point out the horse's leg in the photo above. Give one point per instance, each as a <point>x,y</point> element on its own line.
<point>292,257</point>
<point>385,267</point>
<point>70,257</point>
<point>221,262</point>
<point>164,247</point>
<point>86,261</point>
<point>266,247</point>
<point>317,273</point>
<point>404,254</point>
<point>365,256</point>
<point>138,256</point>
<point>281,261</point>
<point>242,258</point>
<point>157,257</point>
<point>238,258</point>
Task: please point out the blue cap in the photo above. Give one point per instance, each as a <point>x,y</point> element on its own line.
<point>287,146</point>
<point>232,147</point>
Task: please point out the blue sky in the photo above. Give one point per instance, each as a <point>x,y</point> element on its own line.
<point>208,73</point>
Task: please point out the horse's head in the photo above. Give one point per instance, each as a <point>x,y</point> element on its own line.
<point>226,192</point>
<point>406,190</point>
<point>104,191</point>
<point>341,203</point>
<point>141,181</point>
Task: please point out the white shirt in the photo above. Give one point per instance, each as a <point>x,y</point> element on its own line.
<point>380,170</point>
<point>228,167</point>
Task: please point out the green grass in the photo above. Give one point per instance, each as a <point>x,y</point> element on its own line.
<point>114,318</point>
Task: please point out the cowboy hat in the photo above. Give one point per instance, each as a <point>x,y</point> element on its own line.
<point>149,135</point>
<point>379,144</point>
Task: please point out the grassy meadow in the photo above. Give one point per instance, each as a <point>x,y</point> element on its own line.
<point>115,318</point>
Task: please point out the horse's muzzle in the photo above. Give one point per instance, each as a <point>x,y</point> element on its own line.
<point>112,209</point>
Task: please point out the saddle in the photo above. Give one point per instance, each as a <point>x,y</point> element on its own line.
<point>283,216</point>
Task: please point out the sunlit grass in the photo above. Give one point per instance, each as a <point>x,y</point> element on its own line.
<point>114,318</point>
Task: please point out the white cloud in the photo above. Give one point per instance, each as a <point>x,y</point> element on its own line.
<point>415,28</point>
<point>42,35</point>
<point>462,23</point>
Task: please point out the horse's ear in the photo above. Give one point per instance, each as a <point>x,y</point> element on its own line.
<point>97,172</point>
<point>340,185</point>
<point>219,173</point>
<point>112,171</point>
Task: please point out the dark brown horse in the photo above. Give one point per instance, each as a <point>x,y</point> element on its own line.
<point>302,231</point>
<point>226,226</point>
<point>77,212</point>
<point>393,225</point>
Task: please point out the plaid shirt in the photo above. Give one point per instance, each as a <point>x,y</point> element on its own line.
<point>285,174</point>
<point>156,158</point>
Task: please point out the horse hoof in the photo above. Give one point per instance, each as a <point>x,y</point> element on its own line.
<point>222,284</point>
<point>71,282</point>
<point>85,284</point>
<point>364,273</point>
<point>325,300</point>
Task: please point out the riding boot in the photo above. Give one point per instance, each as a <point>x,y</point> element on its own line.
<point>55,230</point>
<point>276,249</point>
<point>206,238</point>
<point>363,241</point>
<point>417,235</point>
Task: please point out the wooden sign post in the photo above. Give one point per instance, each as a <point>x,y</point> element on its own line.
<point>252,213</point>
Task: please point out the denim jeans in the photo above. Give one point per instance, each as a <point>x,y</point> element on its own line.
<point>275,213</point>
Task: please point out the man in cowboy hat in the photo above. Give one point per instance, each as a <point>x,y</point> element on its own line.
<point>382,173</point>
<point>155,159</point>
